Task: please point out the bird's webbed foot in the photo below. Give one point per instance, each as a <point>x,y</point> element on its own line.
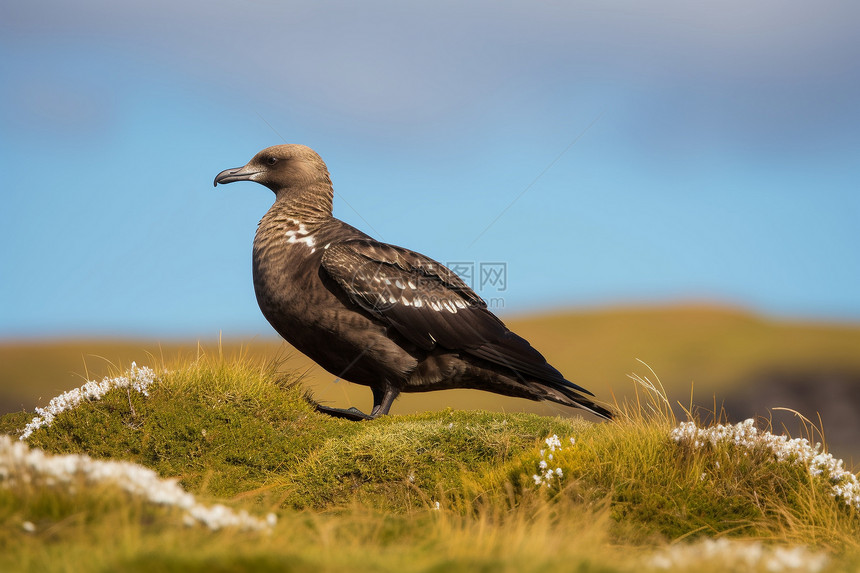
<point>352,413</point>
<point>382,400</point>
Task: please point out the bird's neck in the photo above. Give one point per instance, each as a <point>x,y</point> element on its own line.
<point>309,203</point>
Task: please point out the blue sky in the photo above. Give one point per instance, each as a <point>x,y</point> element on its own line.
<point>606,152</point>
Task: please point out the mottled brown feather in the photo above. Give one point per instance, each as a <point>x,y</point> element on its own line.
<point>374,313</point>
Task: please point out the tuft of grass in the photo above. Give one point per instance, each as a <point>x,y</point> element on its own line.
<point>441,491</point>
<point>658,489</point>
<point>238,428</point>
<point>221,426</point>
<point>403,462</point>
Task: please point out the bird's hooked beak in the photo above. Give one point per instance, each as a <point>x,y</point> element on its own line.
<point>236,174</point>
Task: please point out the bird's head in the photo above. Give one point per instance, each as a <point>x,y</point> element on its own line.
<point>281,167</point>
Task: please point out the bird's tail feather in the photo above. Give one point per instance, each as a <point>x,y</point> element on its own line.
<point>568,397</point>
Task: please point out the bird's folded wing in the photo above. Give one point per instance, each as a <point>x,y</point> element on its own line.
<point>429,304</point>
<point>423,299</point>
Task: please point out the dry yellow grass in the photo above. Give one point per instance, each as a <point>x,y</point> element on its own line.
<point>711,349</point>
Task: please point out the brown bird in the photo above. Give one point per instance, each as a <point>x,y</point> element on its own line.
<point>376,314</point>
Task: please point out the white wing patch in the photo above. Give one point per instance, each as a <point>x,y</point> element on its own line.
<point>386,290</point>
<point>300,235</point>
<point>410,297</point>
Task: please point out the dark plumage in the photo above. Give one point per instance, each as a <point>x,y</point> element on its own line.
<point>376,314</point>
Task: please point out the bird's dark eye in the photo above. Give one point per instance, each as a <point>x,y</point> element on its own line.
<point>271,160</point>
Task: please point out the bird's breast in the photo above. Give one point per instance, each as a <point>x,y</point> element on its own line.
<point>311,312</point>
<point>286,260</point>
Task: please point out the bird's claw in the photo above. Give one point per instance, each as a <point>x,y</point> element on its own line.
<point>351,413</point>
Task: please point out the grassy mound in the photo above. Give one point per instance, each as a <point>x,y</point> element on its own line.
<point>446,491</point>
<point>230,429</point>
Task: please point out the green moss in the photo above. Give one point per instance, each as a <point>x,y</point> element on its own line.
<point>14,422</point>
<point>405,461</point>
<point>221,429</point>
<point>226,430</point>
<point>249,435</point>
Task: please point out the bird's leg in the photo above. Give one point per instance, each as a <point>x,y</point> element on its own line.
<point>382,400</point>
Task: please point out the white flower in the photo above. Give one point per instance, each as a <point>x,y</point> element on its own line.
<point>138,378</point>
<point>547,474</point>
<point>738,555</point>
<point>20,464</point>
<point>798,451</point>
<point>553,442</point>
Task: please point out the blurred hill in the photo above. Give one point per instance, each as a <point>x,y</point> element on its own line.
<point>710,356</point>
